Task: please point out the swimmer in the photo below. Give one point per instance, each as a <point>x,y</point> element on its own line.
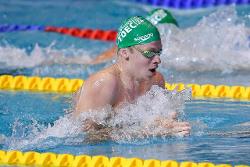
<point>156,16</point>
<point>133,74</point>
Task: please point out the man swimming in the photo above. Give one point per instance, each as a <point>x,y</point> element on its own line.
<point>156,16</point>
<point>133,74</point>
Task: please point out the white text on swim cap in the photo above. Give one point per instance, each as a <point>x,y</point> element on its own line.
<point>144,37</point>
<point>128,27</point>
<point>157,16</point>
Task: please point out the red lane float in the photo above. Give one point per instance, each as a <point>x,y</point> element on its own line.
<point>103,35</point>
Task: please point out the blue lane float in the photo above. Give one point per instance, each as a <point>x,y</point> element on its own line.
<point>94,34</point>
<point>14,27</point>
<point>192,4</point>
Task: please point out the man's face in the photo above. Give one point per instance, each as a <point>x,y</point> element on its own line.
<point>145,59</point>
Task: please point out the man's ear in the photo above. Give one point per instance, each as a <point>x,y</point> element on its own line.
<point>124,53</point>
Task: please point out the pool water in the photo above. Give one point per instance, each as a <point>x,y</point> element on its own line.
<point>35,121</point>
<point>211,46</point>
<point>202,50</point>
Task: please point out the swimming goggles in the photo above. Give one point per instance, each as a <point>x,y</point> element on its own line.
<point>147,53</point>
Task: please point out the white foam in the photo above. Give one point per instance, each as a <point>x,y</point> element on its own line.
<point>137,120</point>
<point>35,135</point>
<point>128,124</point>
<point>13,57</point>
<point>218,42</point>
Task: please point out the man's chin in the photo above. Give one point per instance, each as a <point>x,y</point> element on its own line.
<point>149,75</point>
<point>146,76</point>
<point>152,73</point>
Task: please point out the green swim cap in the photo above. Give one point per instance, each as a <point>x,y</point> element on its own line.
<point>162,16</point>
<point>136,30</point>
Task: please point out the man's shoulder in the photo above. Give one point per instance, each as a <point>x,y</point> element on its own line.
<point>99,90</point>
<point>104,78</point>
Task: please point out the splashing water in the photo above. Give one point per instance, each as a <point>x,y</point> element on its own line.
<point>219,42</point>
<point>12,57</point>
<point>35,135</point>
<point>128,124</point>
<point>138,121</point>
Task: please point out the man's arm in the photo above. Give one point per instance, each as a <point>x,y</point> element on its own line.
<point>108,54</point>
<point>97,92</point>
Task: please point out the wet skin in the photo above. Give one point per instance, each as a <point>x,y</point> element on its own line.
<point>130,77</point>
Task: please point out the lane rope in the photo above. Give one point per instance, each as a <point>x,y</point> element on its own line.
<point>94,34</point>
<point>87,33</point>
<point>192,4</point>
<point>15,27</point>
<point>97,34</point>
<point>50,159</point>
<point>66,85</point>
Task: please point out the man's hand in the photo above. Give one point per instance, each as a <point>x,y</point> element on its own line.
<point>172,127</point>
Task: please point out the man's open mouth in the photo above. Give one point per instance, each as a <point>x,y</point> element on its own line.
<point>152,70</point>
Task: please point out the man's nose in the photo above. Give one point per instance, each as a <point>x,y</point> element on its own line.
<point>157,59</point>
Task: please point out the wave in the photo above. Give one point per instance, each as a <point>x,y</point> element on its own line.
<point>219,42</point>
<point>12,57</point>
